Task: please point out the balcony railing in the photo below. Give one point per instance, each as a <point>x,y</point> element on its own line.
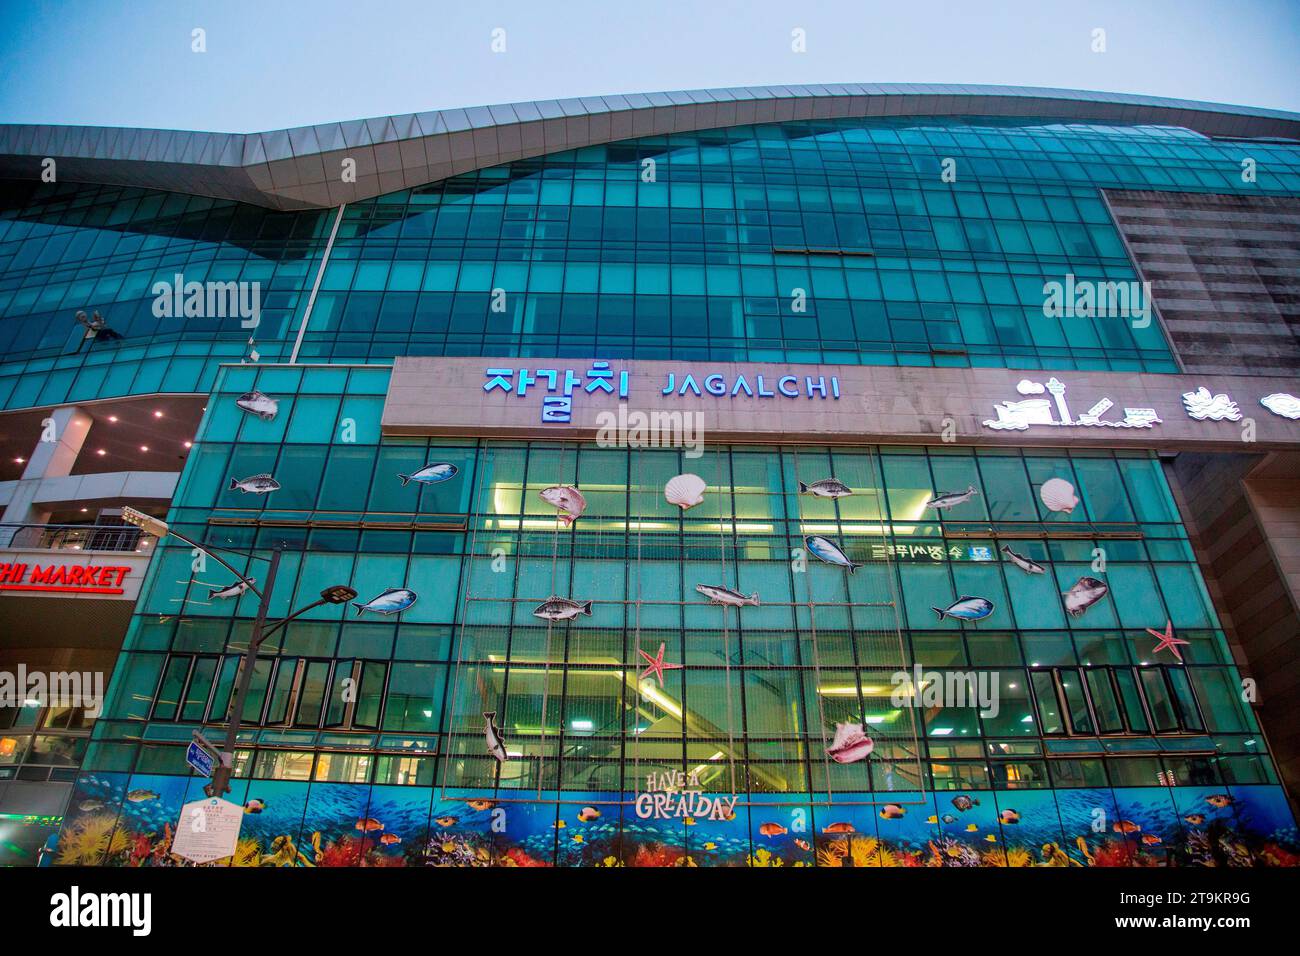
<point>75,537</point>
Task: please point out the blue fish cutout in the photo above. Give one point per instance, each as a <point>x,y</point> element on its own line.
<point>829,552</point>
<point>431,473</point>
<point>966,608</point>
<point>390,601</point>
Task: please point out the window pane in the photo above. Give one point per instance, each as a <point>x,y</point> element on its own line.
<point>277,712</point>
<point>1184,699</point>
<point>1159,702</point>
<point>1080,719</point>
<point>312,694</point>
<point>1104,703</point>
<point>1049,713</point>
<point>169,694</point>
<point>196,695</point>
<point>1128,692</point>
<point>370,695</point>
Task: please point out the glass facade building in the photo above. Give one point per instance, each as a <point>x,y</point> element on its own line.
<point>838,242</point>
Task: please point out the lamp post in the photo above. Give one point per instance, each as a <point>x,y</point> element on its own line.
<point>335,594</point>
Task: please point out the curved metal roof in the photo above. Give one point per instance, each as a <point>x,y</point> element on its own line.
<point>299,168</point>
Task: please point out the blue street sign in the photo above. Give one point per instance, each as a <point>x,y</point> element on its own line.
<point>199,759</point>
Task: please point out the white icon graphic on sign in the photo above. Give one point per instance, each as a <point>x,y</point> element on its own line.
<point>1019,415</point>
<point>1203,406</point>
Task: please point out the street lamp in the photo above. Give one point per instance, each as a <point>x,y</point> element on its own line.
<point>335,594</point>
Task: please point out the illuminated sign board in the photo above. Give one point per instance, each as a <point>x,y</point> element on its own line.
<point>558,408</point>
<point>64,578</point>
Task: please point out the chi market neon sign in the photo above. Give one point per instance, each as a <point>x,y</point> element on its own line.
<point>64,578</point>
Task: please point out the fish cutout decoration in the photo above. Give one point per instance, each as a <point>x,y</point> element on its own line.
<point>850,744</point>
<point>1084,594</point>
<point>1058,495</point>
<point>1282,403</point>
<point>389,601</point>
<point>1027,565</point>
<point>685,491</point>
<point>950,499</point>
<point>495,745</point>
<point>826,488</point>
<point>232,590</point>
<point>966,608</point>
<point>720,595</point>
<point>254,484</point>
<point>568,499</point>
<point>561,609</point>
<point>431,473</point>
<point>260,404</point>
<point>830,552</point>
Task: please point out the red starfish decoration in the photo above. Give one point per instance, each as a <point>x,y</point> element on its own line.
<point>1167,640</point>
<point>657,665</point>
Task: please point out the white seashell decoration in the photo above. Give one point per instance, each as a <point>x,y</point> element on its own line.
<point>1280,403</point>
<point>685,491</point>
<point>1058,494</point>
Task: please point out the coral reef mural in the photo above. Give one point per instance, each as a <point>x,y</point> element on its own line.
<point>117,819</point>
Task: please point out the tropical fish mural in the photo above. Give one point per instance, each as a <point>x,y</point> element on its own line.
<point>327,824</point>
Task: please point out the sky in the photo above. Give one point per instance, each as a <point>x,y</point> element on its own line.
<point>270,64</point>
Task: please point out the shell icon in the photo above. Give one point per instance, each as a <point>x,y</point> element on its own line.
<point>685,491</point>
<point>1058,494</point>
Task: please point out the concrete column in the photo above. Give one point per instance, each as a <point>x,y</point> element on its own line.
<point>54,452</point>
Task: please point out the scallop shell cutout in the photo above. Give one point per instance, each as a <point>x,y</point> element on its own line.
<point>685,491</point>
<point>1058,494</point>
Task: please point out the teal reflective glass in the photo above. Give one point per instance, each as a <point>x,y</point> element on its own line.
<point>881,241</point>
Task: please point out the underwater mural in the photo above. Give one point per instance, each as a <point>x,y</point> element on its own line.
<point>118,819</point>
